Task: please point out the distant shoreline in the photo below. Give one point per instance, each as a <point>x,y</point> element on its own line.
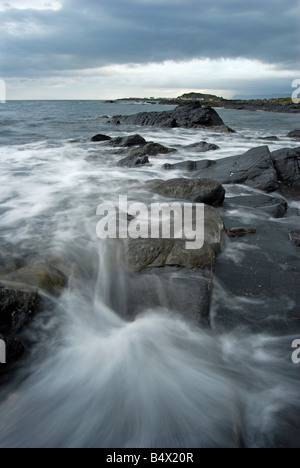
<point>282,105</point>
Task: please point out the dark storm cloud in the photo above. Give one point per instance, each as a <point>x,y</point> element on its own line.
<point>93,33</point>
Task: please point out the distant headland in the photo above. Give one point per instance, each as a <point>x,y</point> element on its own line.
<point>284,104</point>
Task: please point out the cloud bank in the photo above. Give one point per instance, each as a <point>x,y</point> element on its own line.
<point>59,41</point>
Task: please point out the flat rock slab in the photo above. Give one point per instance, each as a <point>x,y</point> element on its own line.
<point>205,191</point>
<point>257,283</point>
<point>254,168</point>
<point>275,207</point>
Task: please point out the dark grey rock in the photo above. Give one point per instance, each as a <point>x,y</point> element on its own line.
<point>46,275</point>
<point>287,165</point>
<point>151,149</point>
<point>191,115</point>
<point>142,254</point>
<point>133,161</point>
<point>190,166</point>
<point>18,302</point>
<point>133,140</point>
<point>202,147</point>
<point>254,168</point>
<point>205,191</point>
<point>294,134</point>
<point>99,138</point>
<point>256,287</point>
<point>275,207</point>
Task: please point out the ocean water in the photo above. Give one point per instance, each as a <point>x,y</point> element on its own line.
<point>94,377</point>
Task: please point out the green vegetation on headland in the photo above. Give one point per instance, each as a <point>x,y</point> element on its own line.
<point>284,104</point>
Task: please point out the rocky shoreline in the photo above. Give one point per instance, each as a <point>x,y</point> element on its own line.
<point>264,182</point>
<point>281,105</point>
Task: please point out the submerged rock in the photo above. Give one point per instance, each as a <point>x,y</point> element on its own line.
<point>202,147</point>
<point>205,191</point>
<point>190,166</point>
<point>241,231</point>
<point>190,115</point>
<point>275,207</point>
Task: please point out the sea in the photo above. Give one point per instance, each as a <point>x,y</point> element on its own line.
<point>95,377</point>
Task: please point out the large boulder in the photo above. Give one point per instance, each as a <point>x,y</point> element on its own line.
<point>287,165</point>
<point>254,168</point>
<point>205,191</point>
<point>190,115</point>
<point>158,253</point>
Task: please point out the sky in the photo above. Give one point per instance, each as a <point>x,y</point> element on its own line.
<point>108,49</point>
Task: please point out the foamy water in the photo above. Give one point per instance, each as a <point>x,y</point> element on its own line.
<point>96,378</point>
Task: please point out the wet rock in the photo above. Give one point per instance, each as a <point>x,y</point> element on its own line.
<point>294,134</point>
<point>205,191</point>
<point>151,149</point>
<point>256,287</point>
<point>46,275</point>
<point>241,231</point>
<point>190,166</point>
<point>99,138</point>
<point>287,165</point>
<point>180,290</point>
<point>133,161</point>
<point>133,140</point>
<point>270,138</point>
<point>275,207</point>
<point>190,115</point>
<point>254,168</point>
<point>18,304</point>
<point>159,253</point>
<point>202,147</point>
